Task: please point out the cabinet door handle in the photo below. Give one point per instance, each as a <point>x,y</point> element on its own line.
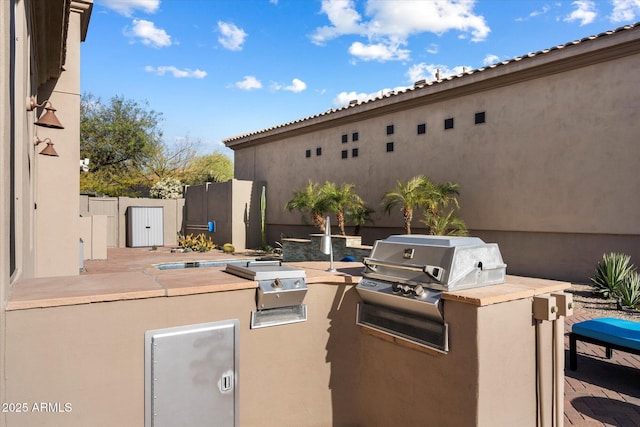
<point>226,382</point>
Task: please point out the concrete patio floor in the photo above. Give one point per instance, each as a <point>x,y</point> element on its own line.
<point>601,392</point>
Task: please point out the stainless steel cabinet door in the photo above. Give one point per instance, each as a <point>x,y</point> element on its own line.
<point>191,375</point>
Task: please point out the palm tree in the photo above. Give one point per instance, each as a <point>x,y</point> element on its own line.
<point>359,216</point>
<point>408,195</point>
<point>438,196</point>
<point>444,225</point>
<point>310,200</point>
<point>340,199</point>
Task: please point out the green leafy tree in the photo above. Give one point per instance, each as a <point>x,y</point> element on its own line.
<point>340,199</point>
<point>214,167</point>
<point>118,138</point>
<point>408,195</point>
<point>310,200</point>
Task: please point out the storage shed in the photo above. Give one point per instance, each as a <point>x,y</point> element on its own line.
<point>145,226</point>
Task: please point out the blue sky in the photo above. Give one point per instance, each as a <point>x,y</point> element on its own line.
<point>221,68</point>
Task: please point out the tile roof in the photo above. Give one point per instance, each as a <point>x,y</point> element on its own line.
<point>423,83</point>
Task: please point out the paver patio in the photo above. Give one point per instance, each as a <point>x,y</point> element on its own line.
<point>601,392</point>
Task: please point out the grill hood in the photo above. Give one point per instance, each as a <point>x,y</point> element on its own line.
<point>436,262</point>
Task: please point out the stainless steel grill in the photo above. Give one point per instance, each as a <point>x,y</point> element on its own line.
<point>405,275</point>
<point>280,293</point>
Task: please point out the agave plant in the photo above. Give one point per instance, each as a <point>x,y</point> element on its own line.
<point>628,293</point>
<point>611,273</point>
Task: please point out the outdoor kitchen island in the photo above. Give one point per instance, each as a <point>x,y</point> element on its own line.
<point>66,344</point>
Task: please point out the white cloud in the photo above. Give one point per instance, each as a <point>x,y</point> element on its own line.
<point>625,10</point>
<point>231,36</point>
<point>344,98</point>
<point>343,17</point>
<point>249,83</point>
<point>176,72</point>
<point>585,12</point>
<point>390,23</point>
<point>428,72</point>
<point>433,49</point>
<point>378,52</point>
<point>147,32</point>
<point>543,11</point>
<point>127,7</point>
<point>490,59</point>
<point>296,86</point>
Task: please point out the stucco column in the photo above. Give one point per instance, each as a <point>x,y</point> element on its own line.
<point>57,178</point>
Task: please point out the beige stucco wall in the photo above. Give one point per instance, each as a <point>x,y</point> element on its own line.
<point>5,170</point>
<point>97,364</point>
<point>38,220</point>
<point>557,153</point>
<point>58,178</point>
<point>23,151</point>
<point>93,232</point>
<point>324,371</point>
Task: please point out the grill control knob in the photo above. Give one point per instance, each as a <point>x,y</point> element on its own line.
<point>418,291</point>
<point>406,290</point>
<point>396,288</point>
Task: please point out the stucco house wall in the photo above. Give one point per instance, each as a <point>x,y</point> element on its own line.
<point>554,162</point>
<point>39,222</point>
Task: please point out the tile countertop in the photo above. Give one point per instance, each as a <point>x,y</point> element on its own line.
<point>515,287</point>
<point>150,282</point>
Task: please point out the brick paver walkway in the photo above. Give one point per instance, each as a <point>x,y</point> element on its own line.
<point>601,392</point>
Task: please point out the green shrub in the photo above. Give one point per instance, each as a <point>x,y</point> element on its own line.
<point>228,248</point>
<point>628,294</point>
<point>610,273</point>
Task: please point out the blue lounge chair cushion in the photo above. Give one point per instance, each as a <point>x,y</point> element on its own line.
<point>625,333</point>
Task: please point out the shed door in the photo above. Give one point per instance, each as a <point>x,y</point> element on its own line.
<point>155,227</point>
